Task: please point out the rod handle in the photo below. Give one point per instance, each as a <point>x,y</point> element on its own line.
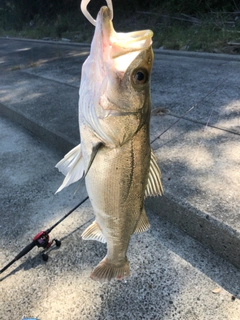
<point>21,254</point>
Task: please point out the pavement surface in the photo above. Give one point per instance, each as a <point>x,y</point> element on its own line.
<point>199,159</point>
<point>173,277</point>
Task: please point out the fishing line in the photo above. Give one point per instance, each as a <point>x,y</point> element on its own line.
<point>190,109</point>
<point>201,141</point>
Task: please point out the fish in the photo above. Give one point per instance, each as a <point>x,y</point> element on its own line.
<point>115,155</point>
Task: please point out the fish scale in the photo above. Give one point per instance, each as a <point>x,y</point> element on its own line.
<point>118,214</point>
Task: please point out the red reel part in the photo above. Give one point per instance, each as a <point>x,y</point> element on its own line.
<point>42,239</point>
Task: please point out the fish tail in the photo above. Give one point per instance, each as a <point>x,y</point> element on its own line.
<point>105,271</point>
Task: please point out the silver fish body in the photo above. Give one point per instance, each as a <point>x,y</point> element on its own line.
<point>115,156</point>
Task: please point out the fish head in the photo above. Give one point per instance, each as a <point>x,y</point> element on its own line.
<point>127,59</point>
<point>118,70</point>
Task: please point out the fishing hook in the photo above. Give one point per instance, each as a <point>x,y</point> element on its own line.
<point>84,10</point>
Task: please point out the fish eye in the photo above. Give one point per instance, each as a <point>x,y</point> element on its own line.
<point>140,76</point>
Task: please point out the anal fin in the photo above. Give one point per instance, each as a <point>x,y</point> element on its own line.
<point>93,232</point>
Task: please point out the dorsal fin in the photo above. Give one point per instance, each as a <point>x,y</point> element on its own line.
<point>154,185</point>
<point>143,223</point>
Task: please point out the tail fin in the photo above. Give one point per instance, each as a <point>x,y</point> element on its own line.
<point>71,166</point>
<point>106,271</point>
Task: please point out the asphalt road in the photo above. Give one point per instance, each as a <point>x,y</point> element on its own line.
<point>172,275</point>
<point>198,155</point>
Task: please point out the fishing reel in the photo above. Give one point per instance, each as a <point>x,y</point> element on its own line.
<point>42,240</point>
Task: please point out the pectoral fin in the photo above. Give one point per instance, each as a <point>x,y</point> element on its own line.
<point>71,166</point>
<point>92,155</point>
<point>154,185</point>
<point>90,146</point>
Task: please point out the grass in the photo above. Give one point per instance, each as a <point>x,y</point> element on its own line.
<point>15,68</point>
<point>207,33</point>
<point>204,38</point>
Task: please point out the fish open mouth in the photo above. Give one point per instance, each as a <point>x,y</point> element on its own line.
<point>123,47</point>
<point>122,43</point>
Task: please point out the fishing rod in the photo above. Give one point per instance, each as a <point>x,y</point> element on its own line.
<point>42,240</point>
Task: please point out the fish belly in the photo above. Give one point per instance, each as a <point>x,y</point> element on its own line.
<point>116,183</point>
